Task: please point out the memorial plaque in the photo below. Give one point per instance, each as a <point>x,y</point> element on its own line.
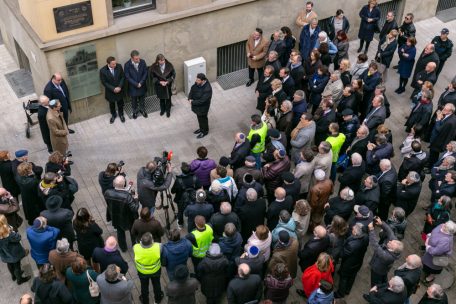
<point>82,69</point>
<point>74,16</point>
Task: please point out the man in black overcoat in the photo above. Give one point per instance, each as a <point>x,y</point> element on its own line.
<point>56,88</point>
<point>112,78</point>
<point>200,98</point>
<point>44,128</point>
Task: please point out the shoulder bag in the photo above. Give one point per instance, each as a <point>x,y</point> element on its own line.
<point>440,260</point>
<point>94,290</point>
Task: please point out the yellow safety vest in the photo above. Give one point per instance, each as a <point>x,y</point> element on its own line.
<point>147,260</point>
<point>263,131</point>
<point>203,240</point>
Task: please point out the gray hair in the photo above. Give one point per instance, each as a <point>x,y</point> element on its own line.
<point>450,159</point>
<point>413,261</point>
<point>381,99</point>
<point>288,104</point>
<point>450,107</point>
<point>453,145</point>
<point>225,208</point>
<point>450,227</point>
<point>119,182</point>
<point>326,146</point>
<point>356,159</point>
<point>230,229</point>
<point>413,176</point>
<point>347,194</point>
<point>336,73</point>
<point>399,213</point>
<point>364,129</point>
<point>300,93</point>
<point>437,291</point>
<point>385,163</point>
<point>396,284</point>
<point>251,195</point>
<point>358,229</point>
<point>323,34</point>
<point>276,55</point>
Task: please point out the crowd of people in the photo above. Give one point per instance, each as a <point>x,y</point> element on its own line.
<point>309,187</point>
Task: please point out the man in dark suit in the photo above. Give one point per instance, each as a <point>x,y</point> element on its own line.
<point>200,98</point>
<point>288,83</point>
<point>112,78</point>
<point>324,119</point>
<point>241,150</point>
<point>376,114</point>
<point>44,128</point>
<point>428,55</point>
<point>296,71</point>
<point>443,132</point>
<point>263,88</point>
<point>317,244</point>
<point>56,88</point>
<point>387,181</point>
<point>136,74</point>
<point>353,174</point>
<point>359,143</point>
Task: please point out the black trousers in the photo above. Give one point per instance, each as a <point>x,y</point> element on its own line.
<point>15,270</point>
<point>377,279</point>
<point>165,105</point>
<point>155,278</point>
<point>122,240</point>
<point>138,101</point>
<point>65,114</point>
<point>361,43</point>
<point>203,123</point>
<point>440,67</point>
<point>346,282</point>
<point>120,107</point>
<point>252,73</point>
<point>433,157</point>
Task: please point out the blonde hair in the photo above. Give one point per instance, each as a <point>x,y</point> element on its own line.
<point>5,229</point>
<point>346,63</point>
<point>324,262</point>
<point>276,84</point>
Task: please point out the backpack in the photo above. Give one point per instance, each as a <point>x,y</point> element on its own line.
<point>189,194</point>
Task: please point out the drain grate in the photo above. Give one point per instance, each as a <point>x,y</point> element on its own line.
<point>152,104</point>
<point>234,79</point>
<point>21,82</point>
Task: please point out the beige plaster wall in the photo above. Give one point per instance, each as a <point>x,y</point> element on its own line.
<point>39,14</point>
<point>421,9</point>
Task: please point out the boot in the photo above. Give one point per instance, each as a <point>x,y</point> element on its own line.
<point>23,280</point>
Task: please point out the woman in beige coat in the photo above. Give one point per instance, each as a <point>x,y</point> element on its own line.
<point>57,127</point>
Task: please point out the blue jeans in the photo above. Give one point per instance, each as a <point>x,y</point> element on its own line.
<point>407,301</point>
<point>257,159</point>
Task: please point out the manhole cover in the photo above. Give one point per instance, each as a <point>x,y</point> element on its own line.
<point>21,82</point>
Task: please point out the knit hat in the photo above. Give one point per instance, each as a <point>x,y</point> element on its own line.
<point>282,153</point>
<point>200,195</point>
<point>214,249</point>
<point>250,159</point>
<point>21,153</point>
<point>224,161</point>
<point>54,202</point>
<point>284,237</point>
<point>273,133</point>
<point>319,174</point>
<point>216,186</point>
<point>62,245</point>
<point>288,177</point>
<point>253,251</point>
<point>181,273</point>
<point>363,210</point>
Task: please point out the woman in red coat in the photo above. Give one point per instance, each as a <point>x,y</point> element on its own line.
<point>321,270</point>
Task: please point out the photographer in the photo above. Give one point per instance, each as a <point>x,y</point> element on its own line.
<point>122,209</point>
<point>154,177</point>
<point>106,178</point>
<point>59,164</point>
<point>184,189</point>
<point>9,207</point>
<point>55,184</point>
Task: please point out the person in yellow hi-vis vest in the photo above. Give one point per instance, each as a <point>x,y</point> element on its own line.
<point>257,138</point>
<point>201,238</point>
<point>147,262</point>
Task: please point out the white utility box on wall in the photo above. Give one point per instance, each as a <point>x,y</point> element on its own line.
<point>191,68</point>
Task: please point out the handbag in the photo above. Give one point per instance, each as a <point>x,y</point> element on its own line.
<point>440,260</point>
<point>94,290</point>
<point>342,161</point>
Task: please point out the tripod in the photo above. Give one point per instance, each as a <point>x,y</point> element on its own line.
<point>166,200</point>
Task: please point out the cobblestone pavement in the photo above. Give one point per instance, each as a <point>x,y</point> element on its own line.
<point>97,143</point>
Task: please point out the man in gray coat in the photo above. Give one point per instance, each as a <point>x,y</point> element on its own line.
<point>114,287</point>
<point>302,136</point>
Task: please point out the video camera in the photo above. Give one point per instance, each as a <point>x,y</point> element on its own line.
<point>159,175</point>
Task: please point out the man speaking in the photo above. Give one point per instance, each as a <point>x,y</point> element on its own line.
<point>200,98</point>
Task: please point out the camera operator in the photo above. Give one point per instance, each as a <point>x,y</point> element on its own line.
<point>55,184</point>
<point>106,178</point>
<point>59,164</point>
<point>122,208</point>
<point>151,179</point>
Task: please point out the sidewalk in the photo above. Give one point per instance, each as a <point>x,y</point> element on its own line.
<point>97,143</point>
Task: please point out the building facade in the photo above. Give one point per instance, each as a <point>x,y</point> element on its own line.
<point>75,37</point>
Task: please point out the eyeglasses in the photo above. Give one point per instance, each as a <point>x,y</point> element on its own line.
<point>407,18</point>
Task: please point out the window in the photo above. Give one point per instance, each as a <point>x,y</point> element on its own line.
<point>127,7</point>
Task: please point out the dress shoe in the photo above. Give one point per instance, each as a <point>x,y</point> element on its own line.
<point>144,113</point>
<point>23,280</point>
<point>395,67</point>
<point>168,114</point>
<point>135,115</point>
<point>112,119</point>
<point>71,131</point>
<point>397,90</point>
<point>402,90</point>
<point>249,83</point>
<point>162,113</point>
<point>197,131</point>
<point>201,135</point>
<point>122,118</point>
<point>360,49</point>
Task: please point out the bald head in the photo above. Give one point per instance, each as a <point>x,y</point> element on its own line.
<point>44,100</point>
<point>413,261</point>
<point>280,193</point>
<point>240,137</point>
<point>251,195</point>
<point>111,242</point>
<point>320,232</point>
<point>225,208</point>
<point>243,270</point>
<point>430,67</point>
<point>119,182</point>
